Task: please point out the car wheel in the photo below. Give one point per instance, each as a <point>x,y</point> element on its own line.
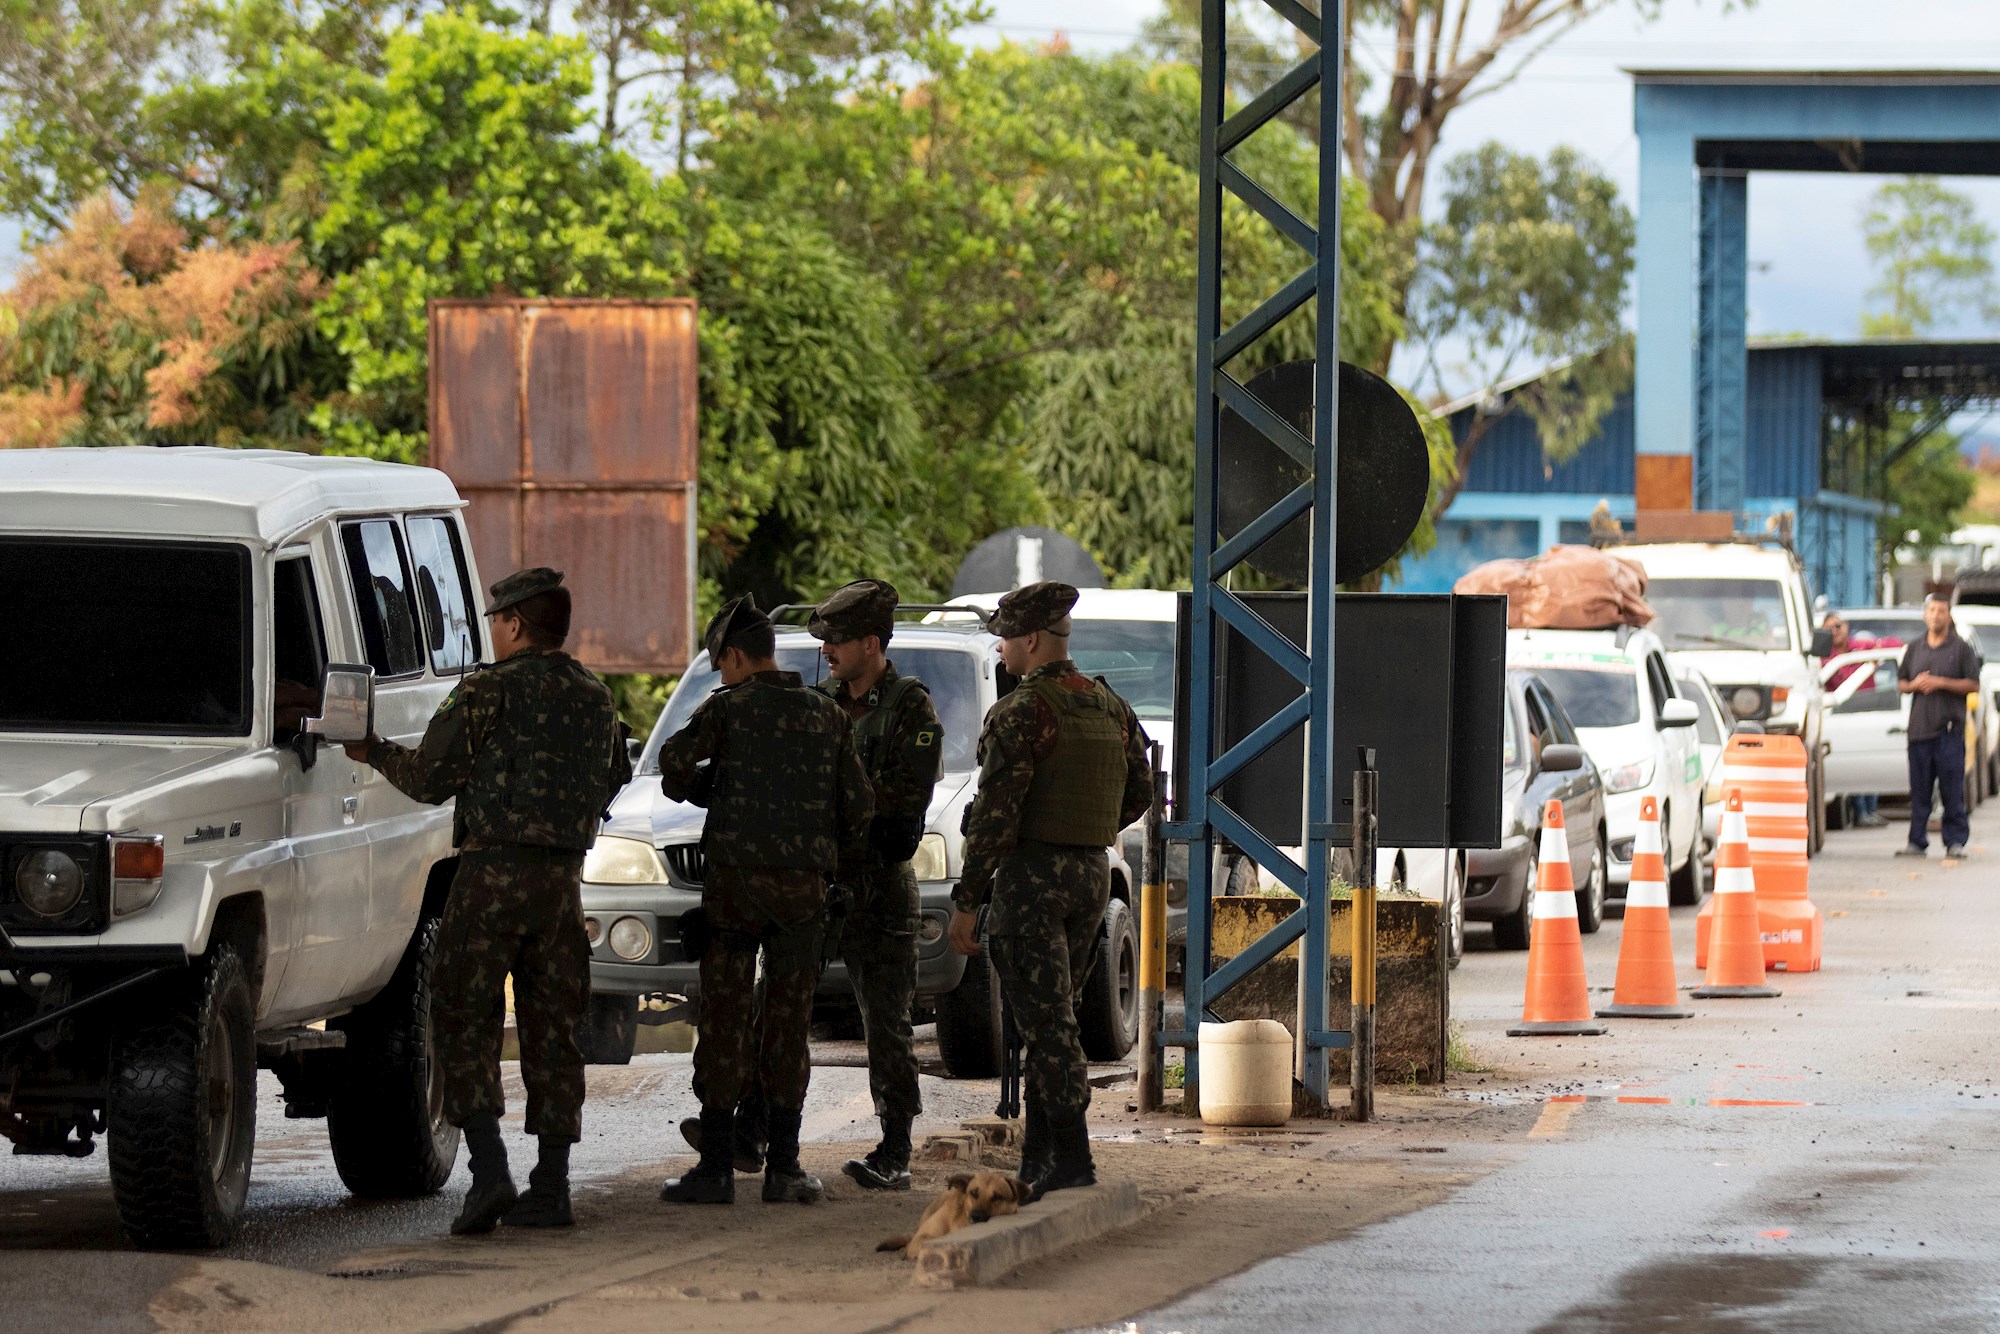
<point>1590,896</point>
<point>1454,912</point>
<point>966,1018</point>
<point>1688,884</point>
<point>385,1121</point>
<point>181,1111</point>
<point>1836,813</point>
<point>1513,931</point>
<point>1815,809</point>
<point>1109,1017</point>
<point>608,1030</point>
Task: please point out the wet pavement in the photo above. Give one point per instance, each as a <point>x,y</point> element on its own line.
<point>1824,1160</point>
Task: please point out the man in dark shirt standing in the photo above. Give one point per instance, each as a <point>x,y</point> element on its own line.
<point>1940,670</point>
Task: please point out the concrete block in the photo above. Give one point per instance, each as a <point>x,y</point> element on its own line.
<point>987,1252</point>
<point>994,1132</point>
<point>957,1146</point>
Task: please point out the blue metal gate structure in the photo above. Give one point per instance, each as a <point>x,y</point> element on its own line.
<point>1202,818</point>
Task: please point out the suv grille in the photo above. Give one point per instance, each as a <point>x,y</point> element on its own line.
<point>685,863</point>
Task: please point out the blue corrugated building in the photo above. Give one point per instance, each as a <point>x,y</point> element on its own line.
<point>1515,502</point>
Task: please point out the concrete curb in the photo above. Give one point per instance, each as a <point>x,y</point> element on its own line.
<point>987,1252</point>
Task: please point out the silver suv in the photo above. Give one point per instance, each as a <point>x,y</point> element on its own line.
<point>192,883</point>
<point>646,869</point>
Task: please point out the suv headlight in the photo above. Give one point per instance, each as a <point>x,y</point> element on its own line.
<point>48,882</point>
<point>1628,777</point>
<point>931,860</point>
<point>623,861</point>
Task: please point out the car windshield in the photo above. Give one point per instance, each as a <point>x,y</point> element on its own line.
<point>951,675</point>
<point>1719,613</point>
<point>1135,658</point>
<point>147,638</point>
<point>1596,696</point>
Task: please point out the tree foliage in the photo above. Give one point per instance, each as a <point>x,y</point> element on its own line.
<point>1934,255</point>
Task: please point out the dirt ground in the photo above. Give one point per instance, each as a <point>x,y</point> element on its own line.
<point>1218,1201</point>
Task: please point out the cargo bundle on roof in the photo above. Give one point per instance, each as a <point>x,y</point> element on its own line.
<point>1565,588</point>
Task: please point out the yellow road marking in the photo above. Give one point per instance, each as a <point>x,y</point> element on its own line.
<point>1555,1117</point>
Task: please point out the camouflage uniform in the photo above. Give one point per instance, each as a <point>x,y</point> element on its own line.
<point>778,827</point>
<point>903,754</point>
<point>533,750</point>
<point>1048,896</point>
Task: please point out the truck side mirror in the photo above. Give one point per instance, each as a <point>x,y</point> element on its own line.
<point>1822,643</point>
<point>1679,713</point>
<point>346,704</point>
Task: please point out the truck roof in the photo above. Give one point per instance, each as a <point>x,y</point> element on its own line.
<point>1752,559</point>
<point>200,491</point>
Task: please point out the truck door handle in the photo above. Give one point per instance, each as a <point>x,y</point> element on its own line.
<point>349,805</point>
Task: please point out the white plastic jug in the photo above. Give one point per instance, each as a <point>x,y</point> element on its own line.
<point>1246,1073</point>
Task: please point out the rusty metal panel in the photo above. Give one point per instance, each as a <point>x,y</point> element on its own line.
<point>570,427</point>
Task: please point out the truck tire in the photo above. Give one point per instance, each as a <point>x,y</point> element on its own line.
<point>386,1118</point>
<point>181,1110</point>
<point>968,1020</point>
<point>1108,1020</point>
<point>1815,808</point>
<point>608,1032</point>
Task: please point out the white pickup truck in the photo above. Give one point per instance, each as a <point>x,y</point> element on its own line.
<point>192,883</point>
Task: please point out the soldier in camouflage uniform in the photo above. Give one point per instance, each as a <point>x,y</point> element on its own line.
<point>534,751</point>
<point>788,806</point>
<point>1062,768</point>
<point>897,732</point>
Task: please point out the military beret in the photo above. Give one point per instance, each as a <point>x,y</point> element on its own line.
<point>854,611</point>
<point>520,586</point>
<point>1042,606</point>
<point>734,618</point>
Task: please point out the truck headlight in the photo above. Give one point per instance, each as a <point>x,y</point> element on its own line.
<point>1746,701</point>
<point>931,862</point>
<point>630,940</point>
<point>1628,777</point>
<point>138,869</point>
<point>623,861</point>
<point>48,882</point>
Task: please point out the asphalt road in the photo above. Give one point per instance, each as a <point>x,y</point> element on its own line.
<point>1825,1160</point>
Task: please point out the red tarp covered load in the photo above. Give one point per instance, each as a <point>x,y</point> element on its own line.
<point>1565,588</point>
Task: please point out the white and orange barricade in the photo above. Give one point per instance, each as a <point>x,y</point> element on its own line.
<point>1770,773</point>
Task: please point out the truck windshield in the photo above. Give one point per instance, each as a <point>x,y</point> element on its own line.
<point>1595,696</point>
<point>1135,658</point>
<point>1720,613</point>
<point>952,677</point>
<point>149,638</point>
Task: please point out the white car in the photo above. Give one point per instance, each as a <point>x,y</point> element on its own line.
<point>1906,625</point>
<point>1980,623</point>
<point>1619,692</point>
<point>196,884</point>
<point>1867,726</point>
<point>1740,612</point>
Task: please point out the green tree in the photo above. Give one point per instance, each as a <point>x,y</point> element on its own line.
<point>1934,254</point>
<point>1525,269</point>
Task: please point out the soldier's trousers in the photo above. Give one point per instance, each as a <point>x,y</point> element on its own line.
<point>513,910</point>
<point>879,946</point>
<point>1047,909</point>
<point>780,911</point>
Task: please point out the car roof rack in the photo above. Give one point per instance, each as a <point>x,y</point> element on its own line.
<point>797,613</point>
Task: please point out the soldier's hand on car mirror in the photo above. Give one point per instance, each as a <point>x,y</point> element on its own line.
<point>965,933</point>
<point>358,750</point>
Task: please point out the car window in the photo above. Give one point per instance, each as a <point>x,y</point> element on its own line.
<point>1902,629</point>
<point>298,646</point>
<point>1596,696</point>
<point>1660,683</point>
<point>444,594</point>
<point>1135,658</point>
<point>381,579</point>
<point>1560,728</point>
<point>952,677</point>
<point>1880,696</point>
<point>1719,613</point>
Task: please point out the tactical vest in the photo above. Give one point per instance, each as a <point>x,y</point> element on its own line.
<point>871,729</point>
<point>540,780</point>
<point>1077,791</point>
<point>776,778</point>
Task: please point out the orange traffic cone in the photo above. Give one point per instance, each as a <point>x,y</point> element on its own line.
<point>1736,948</point>
<point>1646,987</point>
<point>1558,998</point>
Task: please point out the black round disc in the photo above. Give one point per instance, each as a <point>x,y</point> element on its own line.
<point>1384,472</point>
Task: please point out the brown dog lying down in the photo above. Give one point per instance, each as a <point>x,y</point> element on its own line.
<point>968,1198</point>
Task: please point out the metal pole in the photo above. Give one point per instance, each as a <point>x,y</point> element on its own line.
<point>1361,1057</point>
<point>1152,949</point>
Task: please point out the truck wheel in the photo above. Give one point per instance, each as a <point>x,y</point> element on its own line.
<point>181,1112</point>
<point>1109,1016</point>
<point>386,1118</point>
<point>967,1017</point>
<point>608,1032</point>
<point>1815,809</point>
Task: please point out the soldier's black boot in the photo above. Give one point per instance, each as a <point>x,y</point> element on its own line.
<point>752,1132</point>
<point>1034,1136</point>
<point>785,1182</point>
<point>1069,1163</point>
<point>711,1181</point>
<point>546,1201</point>
<point>492,1193</point>
<point>887,1166</point>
